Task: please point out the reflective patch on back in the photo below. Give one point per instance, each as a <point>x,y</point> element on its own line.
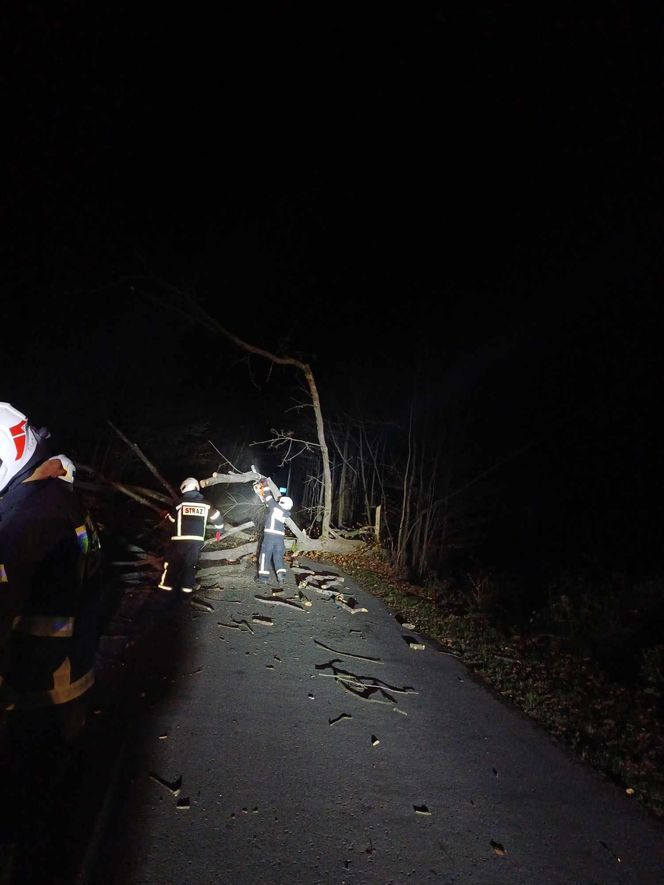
<point>82,538</point>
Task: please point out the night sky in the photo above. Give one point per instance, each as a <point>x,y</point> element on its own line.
<point>469,190</point>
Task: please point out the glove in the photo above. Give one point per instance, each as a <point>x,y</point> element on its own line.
<point>217,536</point>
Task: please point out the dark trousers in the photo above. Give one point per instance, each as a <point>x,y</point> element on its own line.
<point>38,749</point>
<point>180,566</point>
<point>271,556</point>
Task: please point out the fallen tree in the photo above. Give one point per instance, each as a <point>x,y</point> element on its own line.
<point>187,304</point>
<point>301,542</point>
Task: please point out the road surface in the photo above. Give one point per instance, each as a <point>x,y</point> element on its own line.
<point>273,741</point>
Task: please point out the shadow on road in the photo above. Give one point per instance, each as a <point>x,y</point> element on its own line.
<point>64,820</point>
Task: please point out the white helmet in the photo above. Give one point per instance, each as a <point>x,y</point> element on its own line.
<point>18,442</point>
<point>190,484</point>
<point>285,502</point>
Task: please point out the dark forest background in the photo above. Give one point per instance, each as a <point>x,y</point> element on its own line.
<point>452,214</point>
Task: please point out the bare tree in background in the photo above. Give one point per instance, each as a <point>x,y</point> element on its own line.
<point>188,306</point>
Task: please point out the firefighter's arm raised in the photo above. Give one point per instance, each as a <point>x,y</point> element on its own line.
<point>215,519</point>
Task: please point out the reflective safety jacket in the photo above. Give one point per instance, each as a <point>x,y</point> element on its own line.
<point>275,517</point>
<point>190,517</point>
<point>50,593</point>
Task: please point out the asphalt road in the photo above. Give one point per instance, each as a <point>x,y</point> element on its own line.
<point>283,743</point>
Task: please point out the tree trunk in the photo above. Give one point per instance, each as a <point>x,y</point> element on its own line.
<point>341,493</point>
<point>188,306</point>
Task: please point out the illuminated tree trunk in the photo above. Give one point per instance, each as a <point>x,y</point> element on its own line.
<point>188,306</point>
<point>342,493</point>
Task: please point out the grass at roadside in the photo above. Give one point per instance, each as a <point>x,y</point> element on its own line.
<point>613,726</point>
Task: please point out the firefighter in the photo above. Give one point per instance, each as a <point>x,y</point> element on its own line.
<point>50,575</point>
<point>189,517</point>
<point>50,595</point>
<point>272,546</point>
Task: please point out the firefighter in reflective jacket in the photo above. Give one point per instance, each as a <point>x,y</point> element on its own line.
<point>190,517</point>
<point>271,553</point>
<point>50,595</point>
<point>50,575</point>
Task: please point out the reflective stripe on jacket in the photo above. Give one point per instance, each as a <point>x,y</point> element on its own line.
<point>275,518</point>
<point>50,590</point>
<point>190,517</point>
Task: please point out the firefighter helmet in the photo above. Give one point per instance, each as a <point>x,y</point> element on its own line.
<point>190,484</point>
<point>18,442</point>
<point>285,502</point>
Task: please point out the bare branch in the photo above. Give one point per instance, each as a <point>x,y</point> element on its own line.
<point>149,465</point>
<point>194,311</point>
<point>223,457</point>
<point>126,490</point>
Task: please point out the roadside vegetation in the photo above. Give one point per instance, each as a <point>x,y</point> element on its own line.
<point>606,710</point>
